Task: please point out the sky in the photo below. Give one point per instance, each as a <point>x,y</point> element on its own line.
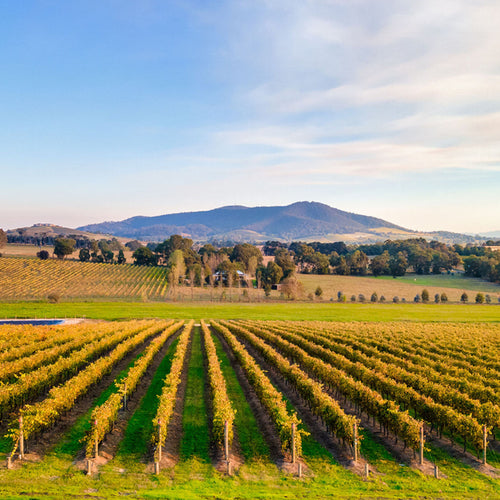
<point>116,108</point>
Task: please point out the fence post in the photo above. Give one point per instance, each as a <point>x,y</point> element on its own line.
<point>9,461</point>
<point>355,443</point>
<point>293,443</point>
<point>125,396</point>
<point>485,443</point>
<point>436,471</point>
<point>159,441</point>
<point>299,469</point>
<point>226,440</point>
<point>96,443</point>
<point>422,445</point>
<point>367,471</point>
<point>21,438</point>
<point>89,467</point>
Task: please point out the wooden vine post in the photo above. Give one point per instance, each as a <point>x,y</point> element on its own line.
<point>422,445</point>
<point>21,438</point>
<point>485,443</point>
<point>157,463</point>
<point>96,442</point>
<point>293,443</point>
<point>125,396</point>
<point>226,440</point>
<point>355,441</point>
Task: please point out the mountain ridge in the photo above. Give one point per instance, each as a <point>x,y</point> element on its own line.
<point>295,221</point>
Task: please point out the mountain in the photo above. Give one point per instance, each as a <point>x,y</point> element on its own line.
<point>491,234</point>
<point>302,220</point>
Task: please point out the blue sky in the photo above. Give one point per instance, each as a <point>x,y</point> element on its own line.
<point>116,108</point>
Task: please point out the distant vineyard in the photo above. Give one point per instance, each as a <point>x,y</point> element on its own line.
<point>35,279</point>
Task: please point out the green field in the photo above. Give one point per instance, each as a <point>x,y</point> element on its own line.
<point>287,310</point>
<point>456,280</point>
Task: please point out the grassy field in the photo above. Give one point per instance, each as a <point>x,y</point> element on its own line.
<point>405,287</point>
<point>288,310</point>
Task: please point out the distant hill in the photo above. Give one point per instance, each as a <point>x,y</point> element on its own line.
<point>297,221</point>
<point>306,221</point>
<point>55,231</point>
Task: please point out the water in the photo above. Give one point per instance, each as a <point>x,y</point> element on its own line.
<point>32,321</point>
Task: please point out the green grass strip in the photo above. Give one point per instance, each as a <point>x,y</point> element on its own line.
<point>300,311</point>
<point>195,433</point>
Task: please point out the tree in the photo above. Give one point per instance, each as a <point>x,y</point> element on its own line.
<point>380,264</point>
<point>133,245</point>
<point>63,247</point>
<point>121,257</point>
<point>292,288</point>
<point>464,298</point>
<point>342,268</point>
<point>175,242</point>
<point>358,263</point>
<point>374,297</point>
<point>177,267</point>
<point>398,264</point>
<point>444,297</point>
<point>479,298</point>
<point>320,263</point>
<point>43,255</point>
<point>108,256</point>
<point>272,274</point>
<point>284,259</point>
<point>318,292</point>
<point>425,295</point>
<point>143,256</point>
<point>243,253</point>
<point>437,298</point>
<point>84,255</point>
<point>3,238</point>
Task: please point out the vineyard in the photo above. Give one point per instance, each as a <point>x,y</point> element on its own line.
<point>34,279</point>
<point>344,409</point>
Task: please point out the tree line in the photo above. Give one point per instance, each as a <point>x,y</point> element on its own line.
<point>227,262</point>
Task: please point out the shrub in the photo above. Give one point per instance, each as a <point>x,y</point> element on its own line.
<point>361,298</point>
<point>353,298</point>
<point>479,298</point>
<point>374,297</point>
<point>464,298</point>
<point>318,292</point>
<point>437,298</point>
<point>487,298</point>
<point>53,297</point>
<point>343,298</point>
<point>310,296</point>
<point>417,298</point>
<point>425,295</point>
<point>444,297</point>
<point>43,255</point>
<point>382,298</point>
<point>395,299</point>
